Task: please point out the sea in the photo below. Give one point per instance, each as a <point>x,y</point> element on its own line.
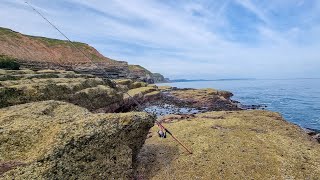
<point>298,100</point>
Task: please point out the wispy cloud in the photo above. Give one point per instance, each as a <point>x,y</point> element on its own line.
<point>184,38</point>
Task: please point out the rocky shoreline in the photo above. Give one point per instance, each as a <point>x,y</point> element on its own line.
<point>61,124</point>
<point>74,122</point>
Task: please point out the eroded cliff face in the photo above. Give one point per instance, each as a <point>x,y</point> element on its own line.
<point>58,140</point>
<point>141,73</point>
<point>44,53</point>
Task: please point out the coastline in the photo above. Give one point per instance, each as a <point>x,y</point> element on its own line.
<point>296,100</point>
<point>78,123</point>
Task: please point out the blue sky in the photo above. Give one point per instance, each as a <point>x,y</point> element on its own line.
<point>187,38</point>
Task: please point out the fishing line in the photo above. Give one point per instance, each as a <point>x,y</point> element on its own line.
<point>105,72</point>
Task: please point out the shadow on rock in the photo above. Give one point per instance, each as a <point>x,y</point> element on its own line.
<point>152,158</point>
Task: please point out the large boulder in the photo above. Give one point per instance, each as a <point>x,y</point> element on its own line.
<point>231,145</point>
<point>211,99</point>
<point>58,140</point>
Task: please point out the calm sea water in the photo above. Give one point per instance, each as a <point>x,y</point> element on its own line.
<point>298,100</point>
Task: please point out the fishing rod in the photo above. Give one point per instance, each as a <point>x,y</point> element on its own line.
<point>105,72</point>
<point>167,131</point>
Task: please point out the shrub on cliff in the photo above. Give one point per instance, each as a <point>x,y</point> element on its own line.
<point>7,62</point>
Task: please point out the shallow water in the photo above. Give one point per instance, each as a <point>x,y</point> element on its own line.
<point>298,100</point>
<point>170,109</point>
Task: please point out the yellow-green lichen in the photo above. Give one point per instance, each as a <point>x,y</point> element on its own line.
<point>231,145</point>
<point>56,140</point>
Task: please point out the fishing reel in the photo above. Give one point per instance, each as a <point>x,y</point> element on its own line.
<point>162,134</point>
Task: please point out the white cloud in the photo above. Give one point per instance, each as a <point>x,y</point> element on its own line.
<point>186,38</point>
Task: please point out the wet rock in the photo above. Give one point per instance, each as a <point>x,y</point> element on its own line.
<point>253,107</point>
<point>317,137</point>
<point>314,133</point>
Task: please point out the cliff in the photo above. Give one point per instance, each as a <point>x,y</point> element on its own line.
<point>139,72</point>
<point>45,53</point>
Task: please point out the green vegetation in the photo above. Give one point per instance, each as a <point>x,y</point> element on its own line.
<point>56,42</point>
<point>130,84</point>
<point>126,82</point>
<point>7,62</point>
<point>154,93</point>
<point>47,41</point>
<point>140,91</point>
<point>138,68</point>
<point>43,76</point>
<point>138,85</point>
<point>96,58</point>
<point>15,72</point>
<point>200,94</point>
<point>8,32</point>
<point>164,88</point>
<point>8,77</point>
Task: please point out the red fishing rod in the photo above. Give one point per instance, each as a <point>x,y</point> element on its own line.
<point>167,131</point>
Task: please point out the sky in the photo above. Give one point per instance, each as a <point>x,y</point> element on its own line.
<point>189,39</point>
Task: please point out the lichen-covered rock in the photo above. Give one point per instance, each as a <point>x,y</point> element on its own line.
<point>130,84</point>
<point>165,88</point>
<point>140,95</point>
<point>138,85</point>
<point>212,99</point>
<point>83,90</point>
<point>98,97</point>
<point>139,92</point>
<point>57,140</point>
<point>95,94</point>
<point>42,76</point>
<point>231,145</point>
<point>15,72</point>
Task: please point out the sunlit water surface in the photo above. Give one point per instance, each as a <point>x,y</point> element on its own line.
<point>298,100</point>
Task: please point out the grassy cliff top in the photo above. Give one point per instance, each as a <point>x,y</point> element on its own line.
<point>48,41</point>
<point>139,70</point>
<point>36,48</point>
